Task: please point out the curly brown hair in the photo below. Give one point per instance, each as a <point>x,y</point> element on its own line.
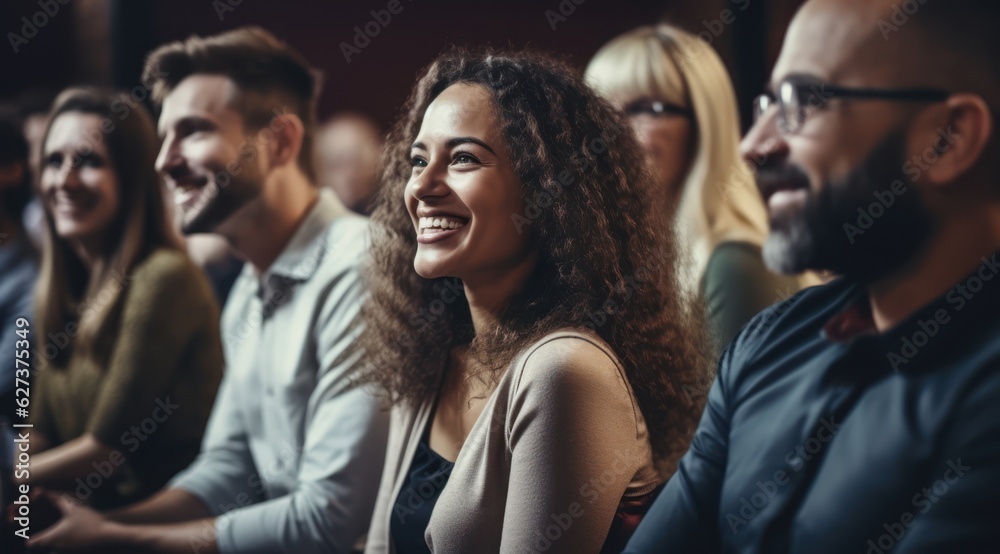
<point>576,158</point>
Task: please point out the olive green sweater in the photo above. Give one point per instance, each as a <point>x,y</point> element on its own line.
<point>150,399</point>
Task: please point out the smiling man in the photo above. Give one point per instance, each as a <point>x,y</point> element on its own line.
<point>294,447</point>
<point>862,416</point>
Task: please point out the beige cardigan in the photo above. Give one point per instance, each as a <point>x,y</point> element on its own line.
<point>560,443</point>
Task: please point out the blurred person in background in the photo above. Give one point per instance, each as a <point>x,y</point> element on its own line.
<point>33,109</point>
<point>18,257</point>
<point>294,447</point>
<point>348,147</point>
<point>678,97</point>
<point>126,330</point>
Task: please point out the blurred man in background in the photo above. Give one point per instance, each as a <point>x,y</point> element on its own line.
<point>18,258</point>
<point>348,147</point>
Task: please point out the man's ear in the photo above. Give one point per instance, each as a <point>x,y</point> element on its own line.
<point>960,142</point>
<point>287,133</point>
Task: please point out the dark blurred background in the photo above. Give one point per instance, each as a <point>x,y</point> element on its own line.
<point>104,42</point>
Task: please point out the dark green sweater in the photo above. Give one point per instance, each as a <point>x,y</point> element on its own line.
<point>737,286</point>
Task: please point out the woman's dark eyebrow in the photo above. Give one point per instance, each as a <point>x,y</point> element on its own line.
<point>465,140</point>
<point>455,142</point>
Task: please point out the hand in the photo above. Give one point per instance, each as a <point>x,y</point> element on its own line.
<point>44,511</point>
<point>81,529</point>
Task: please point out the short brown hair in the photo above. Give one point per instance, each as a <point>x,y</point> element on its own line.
<point>269,74</point>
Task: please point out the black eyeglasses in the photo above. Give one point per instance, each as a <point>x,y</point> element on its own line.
<point>798,98</point>
<point>655,109</point>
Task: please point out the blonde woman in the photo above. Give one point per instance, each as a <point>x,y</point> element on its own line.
<point>680,101</point>
<point>127,333</point>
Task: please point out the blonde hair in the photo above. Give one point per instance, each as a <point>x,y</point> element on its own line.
<point>719,200</point>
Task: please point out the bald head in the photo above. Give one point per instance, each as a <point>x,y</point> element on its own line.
<point>949,45</point>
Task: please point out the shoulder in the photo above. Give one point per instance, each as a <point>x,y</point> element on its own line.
<point>166,274</point>
<point>346,239</point>
<point>737,285</point>
<point>734,256</point>
<point>164,262</point>
<point>342,250</point>
<point>19,279</point>
<point>569,362</point>
<point>739,267</point>
<point>787,325</point>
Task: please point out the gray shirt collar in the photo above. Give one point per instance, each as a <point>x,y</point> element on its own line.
<point>305,251</point>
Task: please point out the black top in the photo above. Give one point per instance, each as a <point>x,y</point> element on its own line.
<point>821,435</point>
<point>411,513</point>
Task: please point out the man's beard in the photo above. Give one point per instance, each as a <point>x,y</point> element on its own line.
<point>859,226</point>
<point>221,199</point>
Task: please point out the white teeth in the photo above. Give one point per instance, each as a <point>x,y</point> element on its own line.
<point>440,223</point>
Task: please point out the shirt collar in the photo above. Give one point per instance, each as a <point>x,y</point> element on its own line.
<point>972,301</point>
<point>307,247</point>
<point>301,257</point>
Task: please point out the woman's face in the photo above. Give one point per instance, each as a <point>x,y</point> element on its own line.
<point>668,138</point>
<point>78,183</point>
<point>463,196</point>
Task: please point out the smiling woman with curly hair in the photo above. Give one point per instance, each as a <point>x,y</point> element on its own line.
<point>524,317</point>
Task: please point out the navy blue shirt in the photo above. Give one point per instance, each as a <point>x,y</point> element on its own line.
<point>821,435</point>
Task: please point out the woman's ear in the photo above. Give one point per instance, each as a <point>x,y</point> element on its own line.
<point>960,144</point>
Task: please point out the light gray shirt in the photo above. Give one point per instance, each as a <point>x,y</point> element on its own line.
<point>294,448</point>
